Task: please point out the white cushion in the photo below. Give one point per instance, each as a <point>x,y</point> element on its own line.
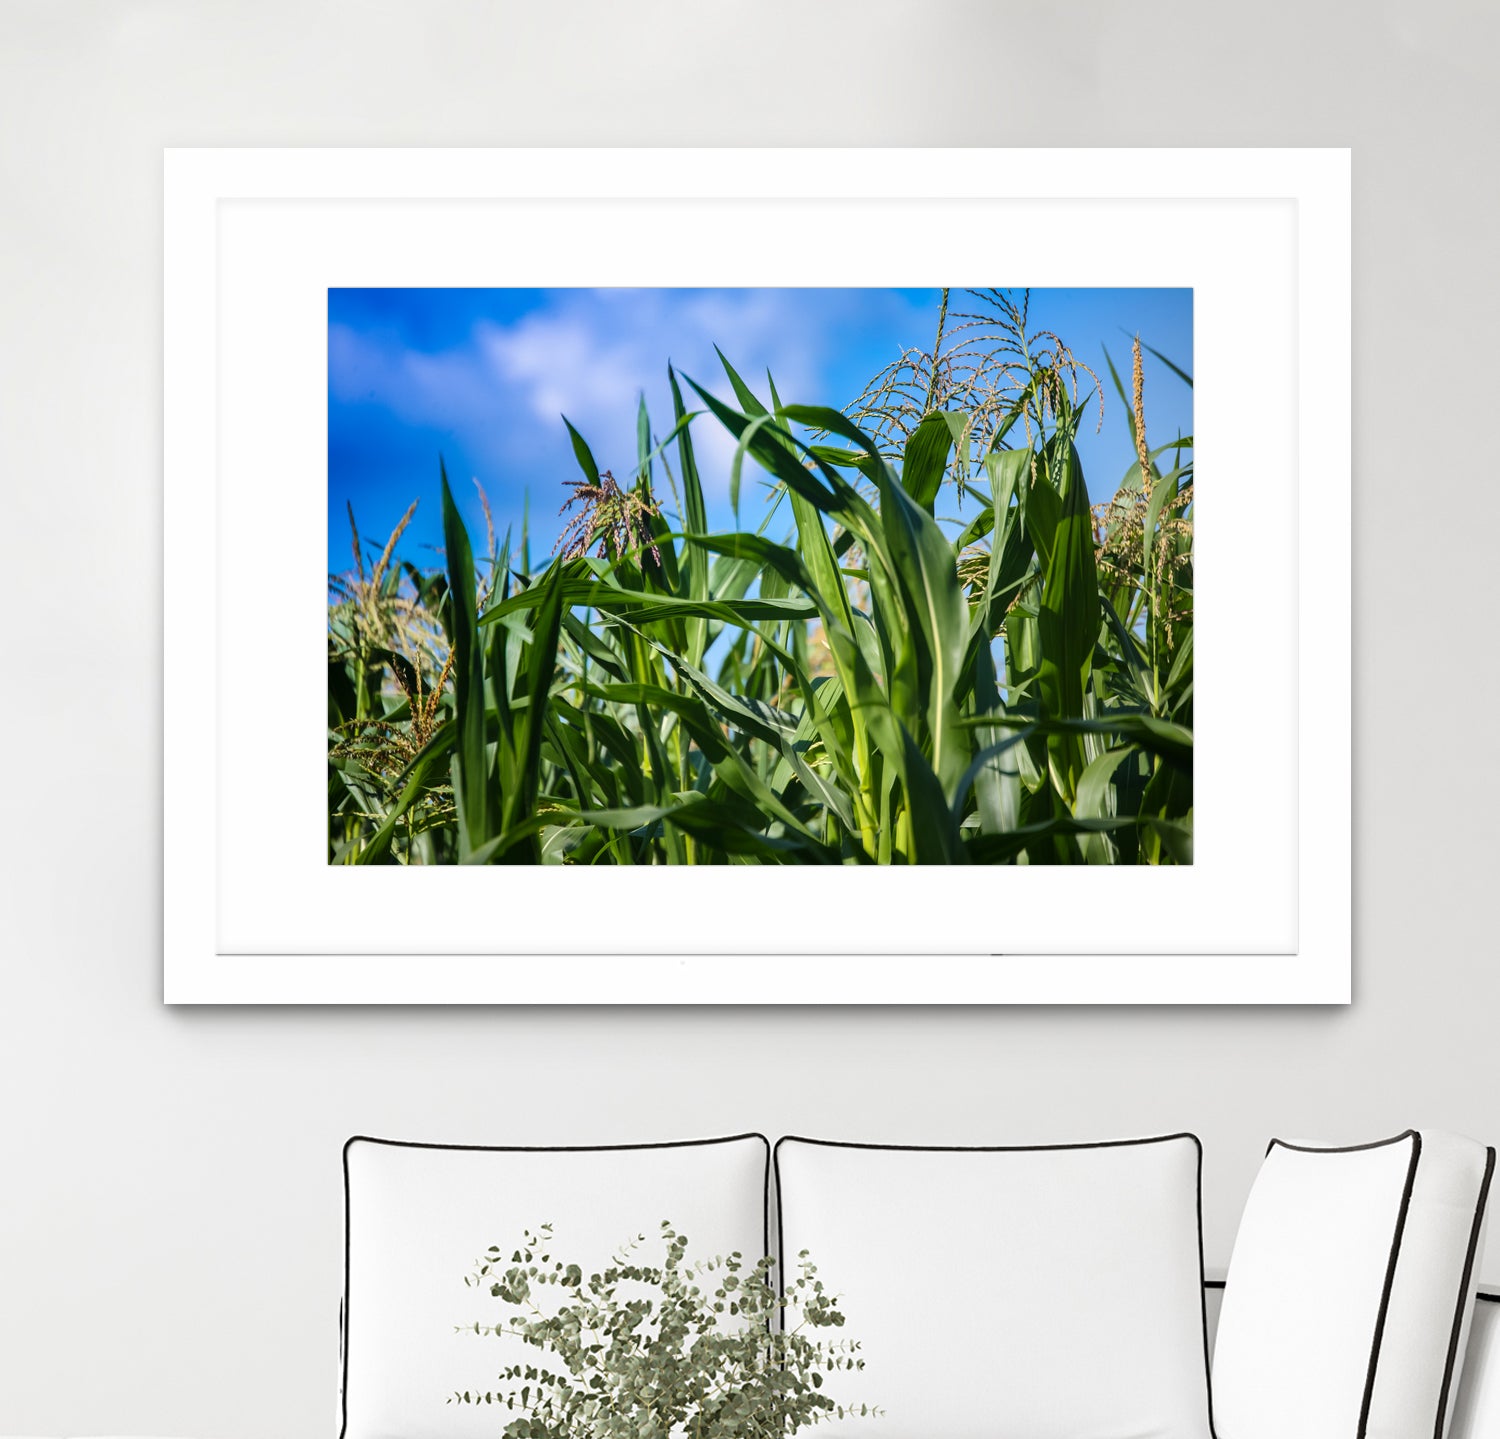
<point>1043,1293</point>
<point>419,1216</point>
<point>1350,1290</point>
<point>1476,1404</point>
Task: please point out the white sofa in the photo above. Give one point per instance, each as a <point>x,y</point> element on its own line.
<point>1349,1309</point>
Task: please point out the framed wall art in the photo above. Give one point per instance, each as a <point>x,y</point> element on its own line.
<point>674,576</point>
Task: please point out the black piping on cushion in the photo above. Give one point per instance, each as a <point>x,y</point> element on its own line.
<point>1390,1267</point>
<point>1461,1306</point>
<point>1475,1229</point>
<point>511,1149</point>
<point>1013,1149</point>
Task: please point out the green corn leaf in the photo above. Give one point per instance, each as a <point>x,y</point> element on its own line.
<point>1011,548</point>
<point>1171,742</point>
<point>584,455</point>
<point>594,646</point>
<point>924,563</point>
<point>979,526</point>
<point>1163,492</point>
<point>641,605</point>
<point>471,778</point>
<point>1093,801</point>
<point>521,748</point>
<point>749,401</point>
<point>643,444</point>
<point>644,608</point>
<point>1025,397</point>
<point>1173,837</point>
<point>993,772</point>
<point>1180,676</point>
<point>1002,848</point>
<point>1068,622</point>
<point>925,460</point>
<point>727,762</point>
<point>694,577</point>
<point>746,439</point>
<point>935,833</point>
<point>1177,370</point>
<point>1003,753</point>
<point>765,445</point>
<point>1043,514</point>
<point>506,841</point>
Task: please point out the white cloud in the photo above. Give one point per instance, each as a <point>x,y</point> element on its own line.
<point>441,389</point>
<point>588,354</point>
<point>562,365</point>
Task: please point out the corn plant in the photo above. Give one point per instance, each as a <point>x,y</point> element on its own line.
<point>873,685</point>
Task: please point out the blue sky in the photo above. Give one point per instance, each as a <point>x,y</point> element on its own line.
<point>483,377</point>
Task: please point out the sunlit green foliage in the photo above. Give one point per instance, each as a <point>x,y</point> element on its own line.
<point>875,684</point>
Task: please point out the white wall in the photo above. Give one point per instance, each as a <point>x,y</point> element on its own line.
<point>169,1181</point>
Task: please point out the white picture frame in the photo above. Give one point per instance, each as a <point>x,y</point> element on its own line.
<point>252,241</point>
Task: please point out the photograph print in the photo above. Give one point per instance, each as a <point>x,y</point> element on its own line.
<point>749,576</point>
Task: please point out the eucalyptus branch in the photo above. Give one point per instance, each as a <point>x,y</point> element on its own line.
<point>699,1357</point>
